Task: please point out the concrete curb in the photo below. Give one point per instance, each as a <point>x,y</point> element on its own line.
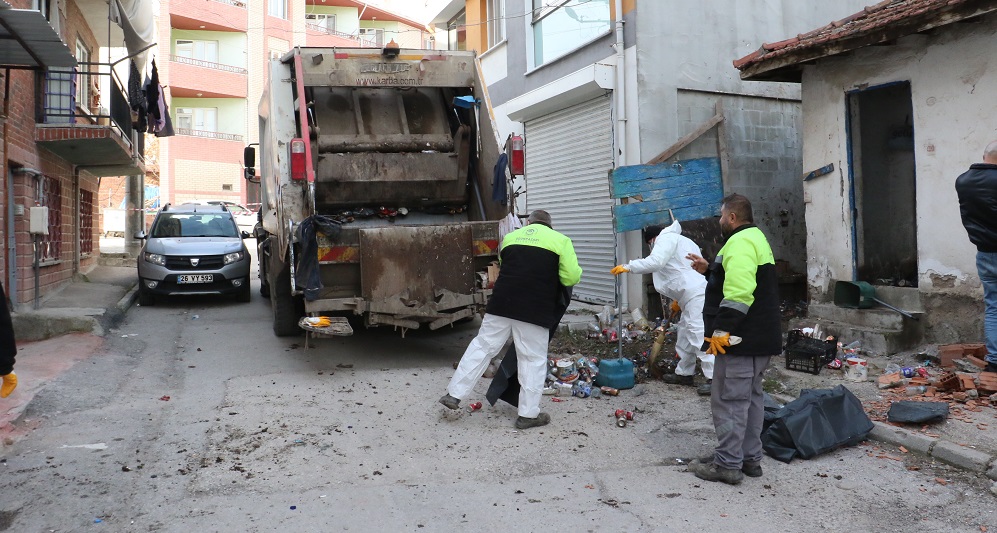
<point>116,314</point>
<point>943,450</point>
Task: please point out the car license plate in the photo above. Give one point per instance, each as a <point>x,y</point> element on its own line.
<point>195,278</point>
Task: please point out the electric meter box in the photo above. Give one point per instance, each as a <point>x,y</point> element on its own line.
<point>38,220</point>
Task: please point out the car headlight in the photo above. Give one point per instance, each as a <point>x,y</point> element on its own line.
<point>233,257</point>
<point>155,259</point>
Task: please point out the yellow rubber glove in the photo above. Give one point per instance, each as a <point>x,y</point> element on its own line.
<point>619,269</point>
<point>675,307</point>
<point>717,344</point>
<point>9,384</point>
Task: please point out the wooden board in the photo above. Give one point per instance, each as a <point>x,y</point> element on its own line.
<point>691,189</point>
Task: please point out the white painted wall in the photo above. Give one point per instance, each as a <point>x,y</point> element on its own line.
<point>954,117</point>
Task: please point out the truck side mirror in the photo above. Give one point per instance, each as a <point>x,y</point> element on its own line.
<point>249,157</point>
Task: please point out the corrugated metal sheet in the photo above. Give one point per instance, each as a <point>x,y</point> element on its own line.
<point>569,154</point>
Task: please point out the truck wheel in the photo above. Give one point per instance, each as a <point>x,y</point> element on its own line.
<point>263,259</point>
<point>287,308</point>
<point>145,298</point>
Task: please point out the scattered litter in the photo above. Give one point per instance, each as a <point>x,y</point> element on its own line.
<point>941,481</point>
<point>914,412</point>
<point>903,450</point>
<point>97,520</point>
<point>97,446</point>
<point>344,365</point>
<point>195,317</point>
<point>164,398</point>
<point>293,507</point>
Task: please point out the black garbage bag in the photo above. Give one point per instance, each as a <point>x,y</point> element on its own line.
<point>918,412</point>
<point>819,421</point>
<point>505,385</point>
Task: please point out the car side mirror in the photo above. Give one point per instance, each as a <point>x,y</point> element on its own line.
<point>245,234</point>
<point>140,235</point>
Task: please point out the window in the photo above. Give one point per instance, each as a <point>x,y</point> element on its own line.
<point>200,50</point>
<point>562,26</point>
<point>60,95</point>
<point>457,32</point>
<point>86,222</point>
<point>277,8</point>
<point>496,22</point>
<point>83,80</point>
<point>197,118</point>
<point>372,36</point>
<point>42,6</point>
<point>48,192</point>
<point>322,20</point>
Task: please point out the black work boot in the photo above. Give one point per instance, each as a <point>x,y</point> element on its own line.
<point>706,388</point>
<point>450,402</point>
<point>752,469</point>
<point>712,472</point>
<point>541,420</point>
<point>675,379</point>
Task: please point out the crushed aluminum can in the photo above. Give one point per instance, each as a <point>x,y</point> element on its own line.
<point>610,391</point>
<point>834,364</point>
<point>556,399</point>
<point>621,422</point>
<point>472,407</point>
<point>621,413</point>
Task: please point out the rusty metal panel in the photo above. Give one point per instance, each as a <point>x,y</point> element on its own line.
<point>366,67</point>
<point>420,260</point>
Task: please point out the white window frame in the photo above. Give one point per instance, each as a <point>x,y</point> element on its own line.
<point>198,118</point>
<point>277,8</point>
<point>326,20</point>
<point>197,49</point>
<point>541,10</point>
<point>496,22</point>
<point>378,34</point>
<point>83,80</point>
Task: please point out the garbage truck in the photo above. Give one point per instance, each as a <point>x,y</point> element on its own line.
<point>375,172</point>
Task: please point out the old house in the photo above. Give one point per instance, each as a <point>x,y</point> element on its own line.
<point>897,98</point>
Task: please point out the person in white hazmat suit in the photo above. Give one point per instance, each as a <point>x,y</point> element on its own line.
<point>675,278</point>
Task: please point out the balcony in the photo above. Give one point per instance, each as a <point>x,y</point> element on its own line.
<point>212,15</point>
<point>86,133</point>
<point>192,78</point>
<point>210,134</point>
<point>320,35</point>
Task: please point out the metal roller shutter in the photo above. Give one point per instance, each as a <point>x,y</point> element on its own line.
<point>568,157</point>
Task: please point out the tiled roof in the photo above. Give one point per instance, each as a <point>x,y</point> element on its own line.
<point>883,22</point>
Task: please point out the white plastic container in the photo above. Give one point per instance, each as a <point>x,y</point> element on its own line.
<point>856,369</point>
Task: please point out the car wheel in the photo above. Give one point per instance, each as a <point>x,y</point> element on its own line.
<point>145,298</point>
<point>245,294</point>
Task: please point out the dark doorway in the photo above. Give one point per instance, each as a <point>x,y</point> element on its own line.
<point>881,131</point>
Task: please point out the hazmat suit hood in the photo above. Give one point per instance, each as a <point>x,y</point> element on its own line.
<point>671,272</point>
<point>675,227</point>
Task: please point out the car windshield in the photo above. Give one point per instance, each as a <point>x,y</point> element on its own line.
<point>195,225</point>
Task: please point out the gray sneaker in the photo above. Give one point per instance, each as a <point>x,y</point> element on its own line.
<point>712,472</point>
<point>541,420</point>
<point>450,402</point>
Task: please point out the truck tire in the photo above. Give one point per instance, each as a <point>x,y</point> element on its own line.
<point>287,309</point>
<point>263,259</point>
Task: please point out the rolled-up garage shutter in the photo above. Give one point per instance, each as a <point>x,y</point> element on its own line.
<point>569,154</point>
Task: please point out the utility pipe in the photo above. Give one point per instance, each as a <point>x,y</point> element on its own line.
<point>620,157</point>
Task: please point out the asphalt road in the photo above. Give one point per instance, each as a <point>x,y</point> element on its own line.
<point>194,417</point>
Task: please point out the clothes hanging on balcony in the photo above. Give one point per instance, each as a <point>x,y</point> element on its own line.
<point>167,129</point>
<point>157,104</point>
<point>136,96</point>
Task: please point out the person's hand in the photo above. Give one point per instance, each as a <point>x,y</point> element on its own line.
<point>717,343</point>
<point>698,263</point>
<point>675,307</point>
<point>619,269</point>
<point>9,384</point>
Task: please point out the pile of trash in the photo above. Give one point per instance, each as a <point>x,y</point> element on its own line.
<point>568,376</point>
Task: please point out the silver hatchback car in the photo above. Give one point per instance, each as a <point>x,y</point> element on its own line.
<point>193,249</point>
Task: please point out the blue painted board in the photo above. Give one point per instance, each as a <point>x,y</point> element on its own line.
<point>692,189</point>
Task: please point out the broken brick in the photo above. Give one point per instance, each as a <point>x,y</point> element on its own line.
<point>966,382</point>
<point>887,381</point>
<point>948,353</point>
<point>947,381</point>
<point>977,350</point>
<point>976,361</point>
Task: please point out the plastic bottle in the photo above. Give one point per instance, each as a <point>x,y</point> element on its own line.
<point>914,390</point>
<point>892,368</point>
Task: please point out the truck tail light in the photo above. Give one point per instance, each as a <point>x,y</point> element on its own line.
<point>298,159</point>
<point>517,159</point>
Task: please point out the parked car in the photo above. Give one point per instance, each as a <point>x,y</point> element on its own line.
<point>193,249</point>
<point>245,217</point>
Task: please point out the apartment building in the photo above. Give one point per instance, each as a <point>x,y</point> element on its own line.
<point>67,123</point>
<point>214,55</point>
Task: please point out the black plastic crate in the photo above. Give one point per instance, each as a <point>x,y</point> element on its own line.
<point>807,354</point>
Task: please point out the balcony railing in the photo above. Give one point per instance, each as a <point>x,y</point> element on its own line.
<point>323,29</point>
<point>235,3</point>
<point>73,96</point>
<point>209,134</point>
<point>208,64</point>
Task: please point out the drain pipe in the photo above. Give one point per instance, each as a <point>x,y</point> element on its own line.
<point>8,228</point>
<point>619,97</point>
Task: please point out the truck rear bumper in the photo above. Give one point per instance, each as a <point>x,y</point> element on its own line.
<point>401,311</point>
